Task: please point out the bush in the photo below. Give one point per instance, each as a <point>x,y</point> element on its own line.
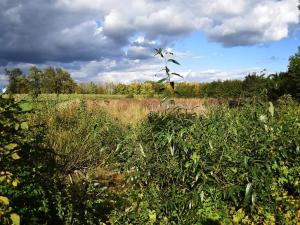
<point>229,166</point>
<point>26,168</point>
<point>81,139</point>
<point>34,188</point>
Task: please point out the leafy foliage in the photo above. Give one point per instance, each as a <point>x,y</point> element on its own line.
<point>239,166</point>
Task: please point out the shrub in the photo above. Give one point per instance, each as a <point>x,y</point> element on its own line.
<point>228,166</point>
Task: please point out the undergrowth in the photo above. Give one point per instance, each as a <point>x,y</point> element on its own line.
<point>223,166</point>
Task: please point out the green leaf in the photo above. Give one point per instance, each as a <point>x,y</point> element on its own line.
<point>167,71</point>
<point>11,146</point>
<point>172,150</point>
<point>271,108</point>
<point>177,74</point>
<point>173,61</point>
<point>15,218</point>
<point>163,100</point>
<point>142,151</point>
<point>17,126</point>
<point>248,188</point>
<point>162,80</point>
<point>253,199</point>
<point>25,106</point>
<point>152,216</point>
<point>159,51</point>
<point>24,126</point>
<point>15,156</point>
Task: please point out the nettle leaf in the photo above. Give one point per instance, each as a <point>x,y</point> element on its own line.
<point>173,61</point>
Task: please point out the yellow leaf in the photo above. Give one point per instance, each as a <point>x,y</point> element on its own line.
<point>15,156</point>
<point>4,200</point>
<point>15,218</point>
<point>15,183</point>
<point>11,146</point>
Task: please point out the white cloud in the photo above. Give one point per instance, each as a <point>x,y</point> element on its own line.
<point>95,38</point>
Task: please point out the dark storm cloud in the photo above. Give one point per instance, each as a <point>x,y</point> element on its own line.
<point>39,31</point>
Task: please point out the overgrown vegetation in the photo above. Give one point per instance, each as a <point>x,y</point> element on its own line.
<point>71,164</point>
<point>227,167</point>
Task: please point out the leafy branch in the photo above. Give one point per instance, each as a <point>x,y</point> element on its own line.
<point>166,56</point>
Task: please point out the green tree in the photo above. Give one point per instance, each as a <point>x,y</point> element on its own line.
<point>147,89</point>
<point>294,75</point>
<point>14,77</point>
<point>57,80</point>
<point>35,79</point>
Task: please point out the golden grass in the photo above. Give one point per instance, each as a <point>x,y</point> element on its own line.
<point>132,111</point>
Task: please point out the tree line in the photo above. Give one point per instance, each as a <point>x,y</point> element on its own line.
<point>57,80</point>
<point>38,81</point>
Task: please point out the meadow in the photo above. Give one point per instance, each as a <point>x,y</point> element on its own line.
<point>97,159</point>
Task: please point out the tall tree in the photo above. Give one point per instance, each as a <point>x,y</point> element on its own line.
<point>14,76</point>
<point>35,78</point>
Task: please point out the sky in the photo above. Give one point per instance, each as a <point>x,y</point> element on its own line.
<point>114,40</point>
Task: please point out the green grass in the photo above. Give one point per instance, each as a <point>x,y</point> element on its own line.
<point>221,166</point>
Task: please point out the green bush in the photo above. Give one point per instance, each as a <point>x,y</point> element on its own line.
<point>81,139</point>
<point>35,188</point>
<point>26,168</point>
<point>237,166</point>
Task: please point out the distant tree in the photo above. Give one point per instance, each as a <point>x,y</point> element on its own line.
<point>109,88</point>
<point>121,89</point>
<point>147,89</point>
<point>134,88</point>
<point>35,79</point>
<point>92,88</point>
<point>57,80</point>
<point>14,77</point>
<point>255,85</point>
<point>100,89</point>
<point>48,82</point>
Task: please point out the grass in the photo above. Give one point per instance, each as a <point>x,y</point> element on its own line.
<point>128,111</point>
<point>197,163</point>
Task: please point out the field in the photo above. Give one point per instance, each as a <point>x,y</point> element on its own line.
<point>94,159</point>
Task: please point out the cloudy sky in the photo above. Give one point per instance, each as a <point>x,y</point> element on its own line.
<point>114,40</point>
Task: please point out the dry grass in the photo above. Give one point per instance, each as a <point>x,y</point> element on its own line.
<point>131,111</point>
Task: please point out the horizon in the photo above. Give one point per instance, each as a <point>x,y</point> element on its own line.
<point>99,41</point>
